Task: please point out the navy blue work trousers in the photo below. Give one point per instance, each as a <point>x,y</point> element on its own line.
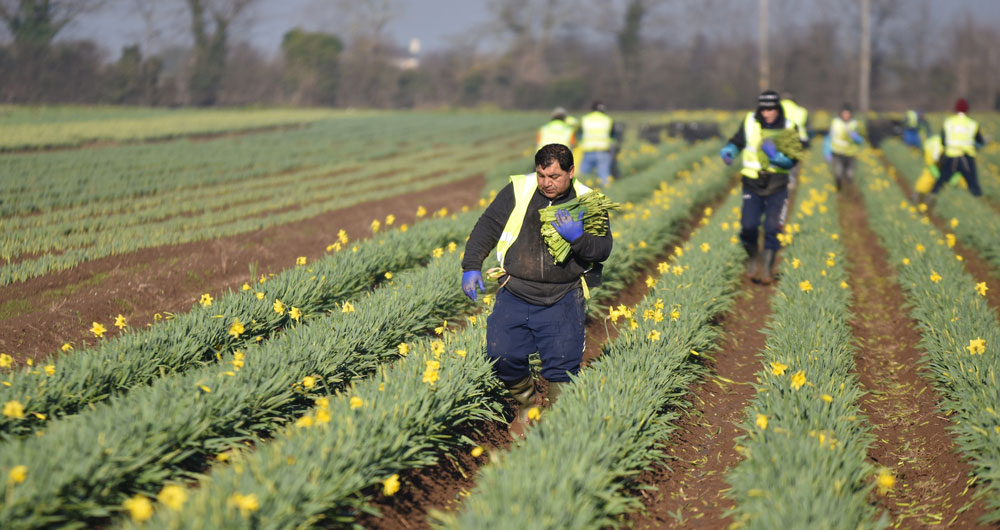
<point>516,329</point>
<point>774,209</point>
<point>966,165</point>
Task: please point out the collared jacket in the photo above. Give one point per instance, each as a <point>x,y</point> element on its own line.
<point>533,275</point>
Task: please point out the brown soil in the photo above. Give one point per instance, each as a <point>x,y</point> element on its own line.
<point>442,487</point>
<point>911,435</point>
<point>39,315</point>
<point>690,486</point>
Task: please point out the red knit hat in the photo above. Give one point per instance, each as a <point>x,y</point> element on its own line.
<point>961,105</point>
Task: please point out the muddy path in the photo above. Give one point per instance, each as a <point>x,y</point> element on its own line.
<point>690,487</point>
<point>912,436</point>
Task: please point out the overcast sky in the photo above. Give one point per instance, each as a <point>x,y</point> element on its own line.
<point>434,22</point>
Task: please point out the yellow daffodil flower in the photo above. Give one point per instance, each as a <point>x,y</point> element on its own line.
<point>139,508</point>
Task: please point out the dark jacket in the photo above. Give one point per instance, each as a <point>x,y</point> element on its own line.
<point>767,183</point>
<point>534,277</point>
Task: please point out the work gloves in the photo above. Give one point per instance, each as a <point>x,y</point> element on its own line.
<point>569,229</point>
<point>470,280</point>
<point>769,148</point>
<point>728,153</point>
<point>856,138</point>
<point>776,157</point>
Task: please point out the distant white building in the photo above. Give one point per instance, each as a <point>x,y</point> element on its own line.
<point>412,62</point>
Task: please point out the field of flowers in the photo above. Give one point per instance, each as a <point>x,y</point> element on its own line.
<point>304,398</point>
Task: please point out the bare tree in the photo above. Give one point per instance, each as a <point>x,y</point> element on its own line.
<point>210,25</point>
<point>35,23</point>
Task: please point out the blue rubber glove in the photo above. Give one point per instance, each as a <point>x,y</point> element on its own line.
<point>828,149</point>
<point>780,160</point>
<point>569,229</point>
<point>769,148</point>
<point>856,137</point>
<point>470,279</point>
<point>728,153</point>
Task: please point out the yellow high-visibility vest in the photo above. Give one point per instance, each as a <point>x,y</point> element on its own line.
<point>596,132</point>
<point>932,150</point>
<point>911,121</point>
<point>755,134</point>
<point>798,115</point>
<point>555,132</point>
<point>840,137</point>
<point>524,189</point>
<point>960,136</point>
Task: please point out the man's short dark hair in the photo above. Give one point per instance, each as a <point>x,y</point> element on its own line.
<point>554,153</point>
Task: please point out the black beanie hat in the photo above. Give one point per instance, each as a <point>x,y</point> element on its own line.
<point>768,99</point>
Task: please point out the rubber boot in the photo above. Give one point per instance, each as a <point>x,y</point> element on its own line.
<point>767,266</point>
<point>555,388</point>
<point>753,263</point>
<point>523,391</point>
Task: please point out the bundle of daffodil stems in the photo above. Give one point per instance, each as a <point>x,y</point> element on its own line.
<point>594,206</point>
<point>787,141</point>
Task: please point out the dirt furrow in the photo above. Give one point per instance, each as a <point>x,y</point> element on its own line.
<point>911,435</point>
<point>691,487</point>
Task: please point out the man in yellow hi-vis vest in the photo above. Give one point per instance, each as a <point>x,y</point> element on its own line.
<point>557,131</point>
<point>933,149</point>
<point>842,146</point>
<point>765,181</point>
<point>596,142</point>
<point>915,126</point>
<point>960,137</point>
<point>540,303</point>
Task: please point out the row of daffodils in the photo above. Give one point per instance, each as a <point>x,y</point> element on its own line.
<point>58,127</point>
<point>81,466</point>
<point>804,452</point>
<point>960,332</point>
<point>215,326</point>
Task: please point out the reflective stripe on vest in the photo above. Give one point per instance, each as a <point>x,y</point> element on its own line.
<point>755,134</point>
<point>555,132</point>
<point>524,188</point>
<point>960,136</point>
<point>596,132</point>
<point>840,137</point>
<point>798,115</point>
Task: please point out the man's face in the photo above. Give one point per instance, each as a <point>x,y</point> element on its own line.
<point>769,115</point>
<point>553,181</point>
<point>845,115</point>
